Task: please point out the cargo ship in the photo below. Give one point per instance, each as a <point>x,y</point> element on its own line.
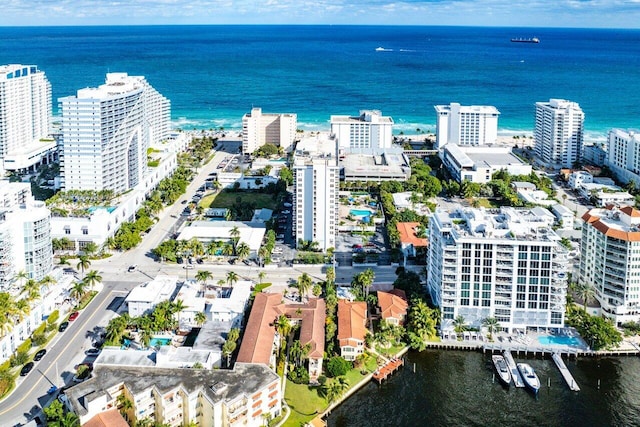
<point>531,40</point>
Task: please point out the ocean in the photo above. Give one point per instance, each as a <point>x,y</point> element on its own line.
<point>215,74</point>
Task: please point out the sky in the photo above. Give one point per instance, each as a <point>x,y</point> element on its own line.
<point>509,13</point>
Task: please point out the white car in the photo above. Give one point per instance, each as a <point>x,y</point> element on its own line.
<point>277,251</point>
<point>287,212</point>
<point>287,205</point>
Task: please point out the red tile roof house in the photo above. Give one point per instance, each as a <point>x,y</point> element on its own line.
<point>409,241</point>
<point>393,306</point>
<point>352,321</point>
<point>261,341</point>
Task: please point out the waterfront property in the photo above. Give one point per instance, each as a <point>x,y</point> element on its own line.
<point>558,133</point>
<point>352,321</point>
<point>369,131</point>
<point>393,306</point>
<point>479,163</point>
<point>505,264</point>
<point>466,125</point>
<point>260,128</point>
<point>610,241</point>
<point>623,154</point>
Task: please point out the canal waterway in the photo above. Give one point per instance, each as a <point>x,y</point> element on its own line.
<point>455,388</point>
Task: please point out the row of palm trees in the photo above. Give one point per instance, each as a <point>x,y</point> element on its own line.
<point>14,308</point>
<point>231,279</point>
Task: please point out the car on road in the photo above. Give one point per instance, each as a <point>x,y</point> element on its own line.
<point>92,352</point>
<point>184,202</point>
<point>132,268</point>
<point>39,355</point>
<point>73,316</point>
<point>26,369</point>
<point>63,326</point>
<point>188,266</point>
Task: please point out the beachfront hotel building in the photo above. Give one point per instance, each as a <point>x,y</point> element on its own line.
<point>466,124</point>
<point>25,117</point>
<point>504,263</point>
<point>623,156</point>
<point>107,130</point>
<point>246,395</point>
<point>315,198</point>
<point>610,261</point>
<point>558,133</point>
<point>25,234</point>
<point>370,132</point>
<point>260,128</point>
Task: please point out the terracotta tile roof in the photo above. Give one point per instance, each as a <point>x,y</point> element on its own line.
<point>110,418</point>
<point>259,334</point>
<point>602,227</point>
<point>352,320</point>
<point>407,232</point>
<point>393,304</point>
<point>629,210</point>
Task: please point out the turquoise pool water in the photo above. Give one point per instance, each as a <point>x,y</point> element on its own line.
<point>360,212</point>
<point>558,340</point>
<point>109,209</point>
<point>156,342</point>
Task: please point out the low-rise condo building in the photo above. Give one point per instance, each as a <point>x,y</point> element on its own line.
<point>504,263</point>
<point>610,261</point>
<point>25,118</point>
<point>352,328</point>
<point>478,164</point>
<point>245,395</point>
<point>466,124</point>
<point>260,128</point>
<point>370,132</point>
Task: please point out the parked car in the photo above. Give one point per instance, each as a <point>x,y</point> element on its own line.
<point>184,202</point>
<point>63,326</point>
<point>26,369</point>
<point>132,268</point>
<point>287,212</point>
<point>39,355</point>
<point>73,316</point>
<point>287,205</point>
<point>92,352</point>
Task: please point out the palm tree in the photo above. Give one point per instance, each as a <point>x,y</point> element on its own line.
<point>261,276</point>
<point>227,349</point>
<point>83,264</point>
<point>459,323</point>
<point>586,293</point>
<point>78,290</point>
<point>202,276</point>
<point>330,275</point>
<point>90,249</point>
<point>336,388</point>
<point>197,248</point>
<point>492,325</point>
<point>200,318</point>
<point>47,281</point>
<point>263,253</point>
<point>284,327</point>
<point>232,278</point>
<point>23,308</point>
<point>243,251</point>
<point>22,276</point>
<point>227,249</point>
<point>304,284</point>
<point>8,310</point>
<point>221,283</point>
<point>32,289</point>
<point>234,233</point>
<point>124,406</point>
<point>92,278</point>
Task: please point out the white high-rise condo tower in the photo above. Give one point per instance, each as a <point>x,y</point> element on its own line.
<point>610,262</point>
<point>25,117</point>
<point>506,264</point>
<point>315,203</point>
<point>107,130</point>
<point>368,132</point>
<point>466,125</point>
<point>623,155</point>
<point>260,128</point>
<point>558,133</point>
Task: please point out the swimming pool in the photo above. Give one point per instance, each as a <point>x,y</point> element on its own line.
<point>559,340</point>
<point>156,341</point>
<point>360,212</point>
<point>109,209</point>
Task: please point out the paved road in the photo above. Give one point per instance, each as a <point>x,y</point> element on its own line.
<point>67,349</point>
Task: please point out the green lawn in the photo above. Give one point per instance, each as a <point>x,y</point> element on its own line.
<point>225,199</point>
<point>305,403</point>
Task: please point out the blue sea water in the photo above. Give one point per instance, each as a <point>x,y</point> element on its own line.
<point>215,74</point>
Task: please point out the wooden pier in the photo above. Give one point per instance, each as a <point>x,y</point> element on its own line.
<point>515,374</point>
<point>387,369</point>
<point>565,372</point>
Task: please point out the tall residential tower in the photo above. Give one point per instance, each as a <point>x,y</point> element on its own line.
<point>558,133</point>
<point>25,117</point>
<point>466,125</point>
<point>260,128</point>
<point>107,131</point>
<point>368,132</point>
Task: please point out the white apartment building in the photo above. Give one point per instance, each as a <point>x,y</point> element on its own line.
<point>315,200</point>
<point>260,128</point>
<point>504,263</point>
<point>107,130</point>
<point>25,235</point>
<point>25,117</point>
<point>558,133</point>
<point>624,154</point>
<point>246,395</point>
<point>479,163</point>
<point>143,298</point>
<point>466,124</point>
<point>370,132</point>
<point>610,261</point>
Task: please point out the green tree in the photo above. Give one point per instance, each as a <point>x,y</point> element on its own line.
<point>261,276</point>
<point>459,324</point>
<point>421,324</point>
<point>90,249</point>
<point>78,290</point>
<point>92,278</point>
<point>361,283</point>
<point>83,264</point>
<point>232,278</point>
<point>303,284</point>
<point>243,251</point>
<point>492,325</point>
<point>200,318</point>
<point>585,292</point>
<point>202,276</point>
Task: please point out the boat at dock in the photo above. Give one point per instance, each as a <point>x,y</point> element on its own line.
<point>502,369</point>
<point>529,40</point>
<point>529,376</point>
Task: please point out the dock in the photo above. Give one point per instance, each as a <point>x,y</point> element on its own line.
<point>565,372</point>
<point>387,369</point>
<point>515,374</point>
